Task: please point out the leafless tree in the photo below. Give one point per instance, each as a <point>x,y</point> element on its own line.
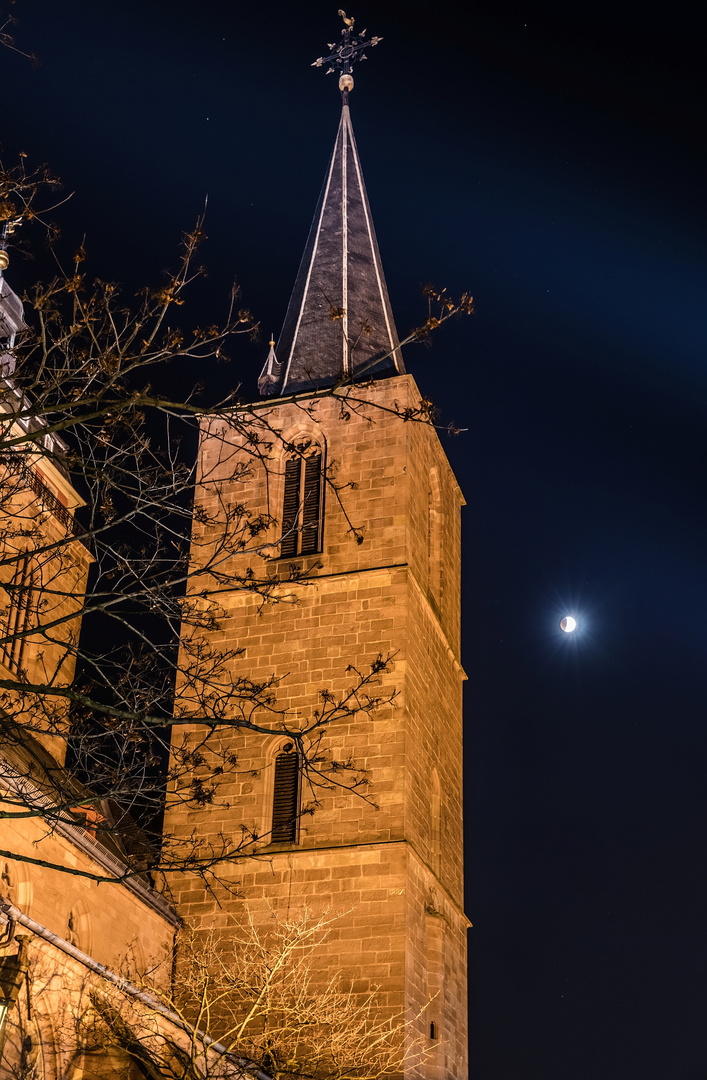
<point>82,397</point>
<point>264,1008</point>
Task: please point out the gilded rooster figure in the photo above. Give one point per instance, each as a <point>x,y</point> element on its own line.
<point>349,21</point>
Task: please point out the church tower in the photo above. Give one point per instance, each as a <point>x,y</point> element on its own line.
<point>361,550</point>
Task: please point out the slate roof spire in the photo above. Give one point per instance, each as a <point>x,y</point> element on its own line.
<point>271,375</point>
<point>339,323</point>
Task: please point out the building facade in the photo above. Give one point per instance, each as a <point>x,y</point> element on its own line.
<point>67,921</point>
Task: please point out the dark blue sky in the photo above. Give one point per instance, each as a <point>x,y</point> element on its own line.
<point>549,160</point>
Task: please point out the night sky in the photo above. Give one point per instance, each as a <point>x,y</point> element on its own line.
<point>548,157</point>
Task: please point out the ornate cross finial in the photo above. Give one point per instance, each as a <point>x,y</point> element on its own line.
<point>343,56</point>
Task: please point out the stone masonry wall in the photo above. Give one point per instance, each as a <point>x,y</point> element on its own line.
<point>373,858</point>
<point>53,608</point>
<point>103,919</point>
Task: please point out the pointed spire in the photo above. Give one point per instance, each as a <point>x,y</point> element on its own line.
<point>339,323</point>
<point>271,375</point>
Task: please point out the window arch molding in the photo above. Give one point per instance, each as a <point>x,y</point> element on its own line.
<point>41,1026</point>
<point>48,1042</point>
<point>274,788</point>
<point>79,929</point>
<point>300,497</point>
<point>16,885</point>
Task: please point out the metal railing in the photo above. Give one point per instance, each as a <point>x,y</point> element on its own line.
<point>13,463</point>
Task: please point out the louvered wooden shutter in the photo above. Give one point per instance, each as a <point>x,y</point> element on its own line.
<point>284,807</point>
<point>290,506</point>
<point>311,504</point>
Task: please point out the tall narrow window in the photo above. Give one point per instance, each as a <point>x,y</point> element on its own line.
<point>286,796</point>
<point>17,617</point>
<point>302,504</point>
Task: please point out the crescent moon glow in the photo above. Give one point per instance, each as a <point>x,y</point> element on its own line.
<point>568,624</point>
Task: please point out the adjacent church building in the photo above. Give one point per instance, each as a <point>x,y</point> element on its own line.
<point>361,549</point>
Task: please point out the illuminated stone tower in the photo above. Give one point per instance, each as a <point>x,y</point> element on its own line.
<point>380,548</point>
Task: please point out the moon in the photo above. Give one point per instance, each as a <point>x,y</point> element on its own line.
<point>568,624</point>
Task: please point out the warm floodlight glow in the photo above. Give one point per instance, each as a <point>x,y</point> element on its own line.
<point>568,624</point>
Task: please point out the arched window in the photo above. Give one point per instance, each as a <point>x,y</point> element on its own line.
<point>302,503</point>
<point>16,622</point>
<point>285,803</point>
